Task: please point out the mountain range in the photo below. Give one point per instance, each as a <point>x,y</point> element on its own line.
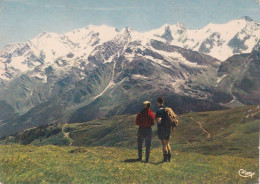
<point>99,71</point>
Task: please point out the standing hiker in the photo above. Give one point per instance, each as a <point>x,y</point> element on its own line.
<point>166,122</point>
<point>145,120</point>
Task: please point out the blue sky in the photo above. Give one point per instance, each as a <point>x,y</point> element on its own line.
<point>21,20</point>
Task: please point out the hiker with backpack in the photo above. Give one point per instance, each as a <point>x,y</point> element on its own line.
<point>145,120</point>
<point>167,121</point>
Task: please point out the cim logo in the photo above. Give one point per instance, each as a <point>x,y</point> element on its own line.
<point>243,173</point>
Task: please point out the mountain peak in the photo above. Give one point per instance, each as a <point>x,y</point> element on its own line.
<point>42,34</point>
<point>46,35</point>
<point>247,18</point>
<point>167,35</point>
<point>127,30</point>
<point>166,26</point>
<point>180,25</point>
<point>100,27</point>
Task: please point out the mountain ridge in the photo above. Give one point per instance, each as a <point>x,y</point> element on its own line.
<point>110,73</point>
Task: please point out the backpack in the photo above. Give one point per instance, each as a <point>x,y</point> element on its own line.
<point>171,119</point>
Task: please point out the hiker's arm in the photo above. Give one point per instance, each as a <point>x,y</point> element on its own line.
<point>137,119</point>
<point>158,118</point>
<point>153,121</point>
<point>152,118</point>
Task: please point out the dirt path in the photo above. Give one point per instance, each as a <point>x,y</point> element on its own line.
<point>252,113</point>
<point>201,127</point>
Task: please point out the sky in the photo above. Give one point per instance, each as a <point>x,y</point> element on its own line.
<point>21,20</point>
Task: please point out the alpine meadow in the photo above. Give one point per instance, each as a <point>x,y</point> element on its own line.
<point>72,103</point>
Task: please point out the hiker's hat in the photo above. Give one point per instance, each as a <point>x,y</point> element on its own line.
<point>146,103</point>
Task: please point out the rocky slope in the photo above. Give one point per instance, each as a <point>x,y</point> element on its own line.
<point>99,71</point>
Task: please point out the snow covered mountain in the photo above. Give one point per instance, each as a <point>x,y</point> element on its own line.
<point>99,71</point>
<point>50,49</point>
<point>217,40</point>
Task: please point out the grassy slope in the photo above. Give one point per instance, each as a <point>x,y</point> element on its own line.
<point>56,164</point>
<point>233,132</point>
<point>198,157</point>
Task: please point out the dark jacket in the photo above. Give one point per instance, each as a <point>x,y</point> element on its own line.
<point>160,113</point>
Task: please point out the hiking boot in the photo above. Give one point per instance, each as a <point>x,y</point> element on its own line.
<point>165,158</point>
<point>139,159</point>
<point>169,157</point>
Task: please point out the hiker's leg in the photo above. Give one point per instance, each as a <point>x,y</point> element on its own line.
<point>164,146</point>
<point>168,146</point>
<point>148,141</point>
<point>169,150</point>
<point>165,150</point>
<point>140,143</point>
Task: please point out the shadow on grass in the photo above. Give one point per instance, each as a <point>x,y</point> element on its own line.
<point>137,160</point>
<point>157,163</point>
<point>133,160</point>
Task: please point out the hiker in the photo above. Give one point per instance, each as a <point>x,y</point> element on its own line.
<point>145,120</point>
<point>166,123</point>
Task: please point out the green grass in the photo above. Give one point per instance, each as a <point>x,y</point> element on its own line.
<point>56,164</point>
<point>232,132</point>
<point>100,147</point>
